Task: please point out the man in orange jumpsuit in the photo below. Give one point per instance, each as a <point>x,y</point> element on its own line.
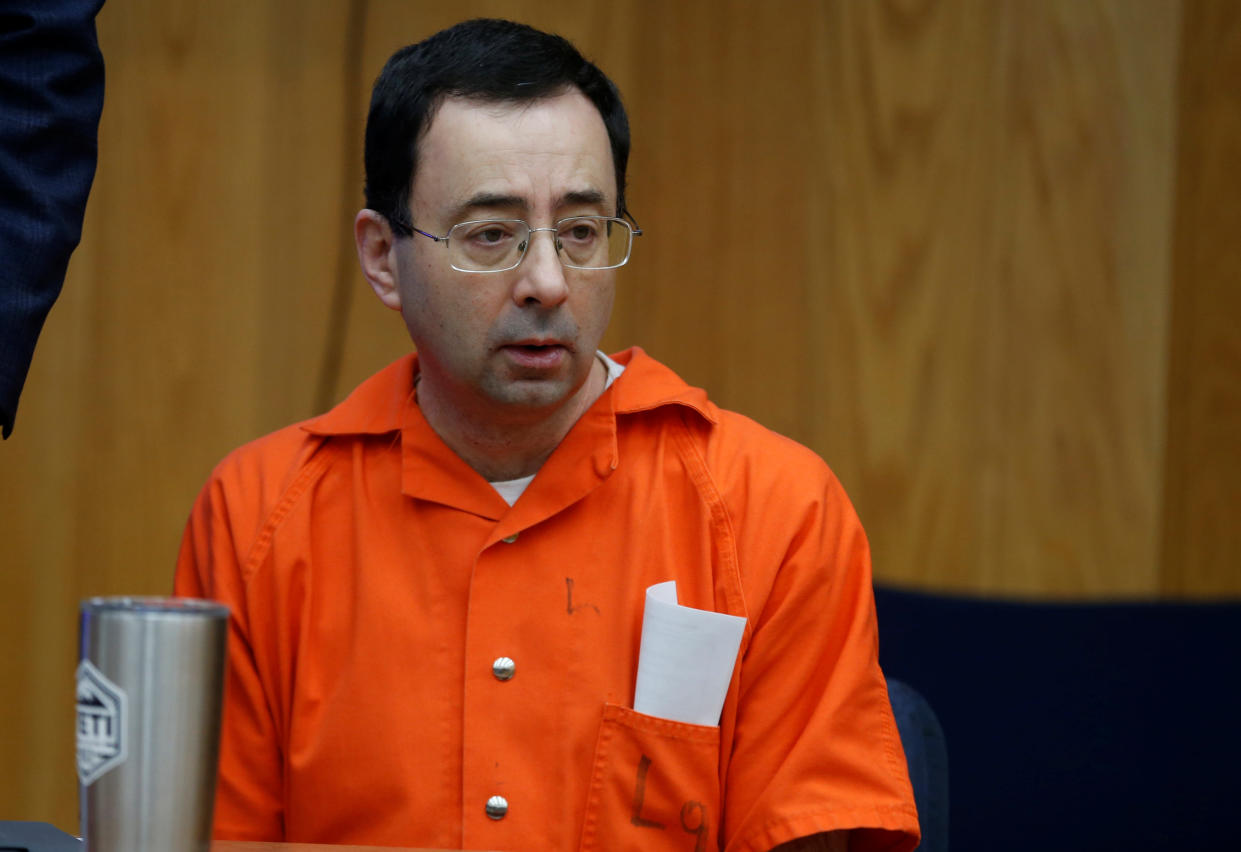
<point>437,587</point>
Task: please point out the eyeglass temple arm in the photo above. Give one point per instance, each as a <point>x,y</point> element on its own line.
<point>405,228</point>
<point>414,230</point>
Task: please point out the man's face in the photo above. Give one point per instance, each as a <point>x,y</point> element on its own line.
<point>515,345</point>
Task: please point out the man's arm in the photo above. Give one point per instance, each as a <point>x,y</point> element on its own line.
<point>248,804</point>
<point>815,749</point>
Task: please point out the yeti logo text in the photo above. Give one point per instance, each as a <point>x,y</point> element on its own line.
<point>101,723</point>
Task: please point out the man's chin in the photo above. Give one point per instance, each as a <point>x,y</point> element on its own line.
<point>538,392</point>
<point>534,393</point>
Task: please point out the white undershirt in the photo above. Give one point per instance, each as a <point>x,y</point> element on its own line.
<point>511,489</point>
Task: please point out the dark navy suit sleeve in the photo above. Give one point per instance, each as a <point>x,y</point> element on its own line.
<point>51,95</point>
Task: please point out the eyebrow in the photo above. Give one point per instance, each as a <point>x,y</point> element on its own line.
<point>494,199</point>
<point>486,199</point>
<point>582,196</point>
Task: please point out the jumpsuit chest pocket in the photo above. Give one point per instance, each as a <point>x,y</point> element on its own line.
<point>654,785</point>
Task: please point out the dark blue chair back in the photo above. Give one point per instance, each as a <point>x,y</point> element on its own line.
<point>926,752</point>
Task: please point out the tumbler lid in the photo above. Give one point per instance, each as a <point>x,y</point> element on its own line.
<point>179,606</point>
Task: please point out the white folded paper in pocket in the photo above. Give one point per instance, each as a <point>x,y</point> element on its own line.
<point>686,660</point>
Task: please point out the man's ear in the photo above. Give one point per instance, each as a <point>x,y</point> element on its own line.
<point>375,240</point>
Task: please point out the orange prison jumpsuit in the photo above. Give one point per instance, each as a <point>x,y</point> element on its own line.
<point>374,578</point>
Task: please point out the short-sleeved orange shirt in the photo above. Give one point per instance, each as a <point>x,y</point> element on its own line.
<point>375,579</point>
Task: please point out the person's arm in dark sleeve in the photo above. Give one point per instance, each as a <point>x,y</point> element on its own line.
<point>51,95</point>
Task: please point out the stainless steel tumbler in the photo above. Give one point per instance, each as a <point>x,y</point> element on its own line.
<point>150,685</point>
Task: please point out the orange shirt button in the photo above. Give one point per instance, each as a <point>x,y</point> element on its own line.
<point>503,668</point>
<point>497,807</point>
<point>509,539</point>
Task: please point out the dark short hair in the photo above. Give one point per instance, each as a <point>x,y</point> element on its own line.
<point>484,59</point>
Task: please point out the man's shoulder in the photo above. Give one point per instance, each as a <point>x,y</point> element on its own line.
<point>747,458</point>
<point>739,434</point>
<point>746,461</point>
<point>734,446</point>
<point>261,469</point>
<point>264,468</point>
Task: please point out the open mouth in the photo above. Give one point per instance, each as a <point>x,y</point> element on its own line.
<point>537,354</point>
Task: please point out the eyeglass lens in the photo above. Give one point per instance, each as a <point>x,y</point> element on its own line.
<point>584,242</point>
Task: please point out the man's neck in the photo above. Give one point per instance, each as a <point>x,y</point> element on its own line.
<point>509,449</point>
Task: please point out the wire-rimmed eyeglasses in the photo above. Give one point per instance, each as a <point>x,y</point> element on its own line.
<point>498,245</point>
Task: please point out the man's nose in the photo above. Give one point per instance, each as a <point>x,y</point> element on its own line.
<point>541,276</point>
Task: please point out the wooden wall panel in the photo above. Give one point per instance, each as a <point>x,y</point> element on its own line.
<point>1202,501</point>
<point>905,288</point>
<point>1083,275</point>
<point>994,381</point>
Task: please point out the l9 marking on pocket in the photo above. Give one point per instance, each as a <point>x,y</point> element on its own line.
<point>701,829</point>
<point>639,795</point>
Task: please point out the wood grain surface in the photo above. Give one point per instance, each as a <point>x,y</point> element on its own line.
<point>981,256</point>
<point>1202,497</point>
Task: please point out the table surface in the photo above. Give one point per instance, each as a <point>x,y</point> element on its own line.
<point>256,846</point>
